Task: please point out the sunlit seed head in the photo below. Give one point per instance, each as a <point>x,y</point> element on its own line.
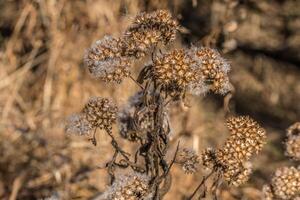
<point>105,60</point>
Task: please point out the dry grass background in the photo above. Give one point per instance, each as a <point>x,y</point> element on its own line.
<point>42,80</point>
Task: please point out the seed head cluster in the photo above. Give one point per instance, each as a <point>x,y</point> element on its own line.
<point>188,159</point>
<point>128,187</point>
<point>97,113</point>
<point>197,70</point>
<point>147,30</point>
<point>174,69</point>
<point>101,112</point>
<point>292,143</point>
<point>212,71</point>
<point>106,62</point>
<point>110,59</point>
<point>284,185</point>
<point>246,138</point>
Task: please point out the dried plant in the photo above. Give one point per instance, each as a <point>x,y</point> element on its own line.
<point>144,120</point>
<point>231,162</point>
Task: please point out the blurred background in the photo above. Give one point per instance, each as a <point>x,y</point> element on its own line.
<point>43,80</point>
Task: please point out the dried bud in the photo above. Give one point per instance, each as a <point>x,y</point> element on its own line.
<point>285,183</point>
<point>212,71</point>
<point>105,61</point>
<point>147,30</point>
<point>78,124</point>
<point>293,147</point>
<point>294,130</point>
<point>174,69</point>
<point>188,159</point>
<point>128,187</point>
<point>100,112</point>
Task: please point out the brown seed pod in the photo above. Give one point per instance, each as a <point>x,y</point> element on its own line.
<point>105,60</point>
<point>100,112</point>
<point>247,137</point>
<point>174,70</point>
<point>147,30</point>
<point>285,183</point>
<point>212,69</point>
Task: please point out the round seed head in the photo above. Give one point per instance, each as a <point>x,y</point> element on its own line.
<point>105,61</point>
<point>100,112</point>
<point>293,147</point>
<point>212,69</point>
<point>147,30</point>
<point>188,159</point>
<point>286,183</point>
<point>173,70</point>
<point>246,137</point>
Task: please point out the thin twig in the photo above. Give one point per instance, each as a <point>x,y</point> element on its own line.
<point>136,82</point>
<point>201,183</point>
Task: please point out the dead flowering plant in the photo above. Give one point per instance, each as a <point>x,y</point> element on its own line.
<point>144,120</point>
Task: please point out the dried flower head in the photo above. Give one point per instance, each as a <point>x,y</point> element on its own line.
<point>246,138</point>
<point>147,30</point>
<point>128,187</point>
<point>285,183</point>
<point>105,61</point>
<point>213,70</point>
<point>174,69</point>
<point>188,159</point>
<point>293,147</point>
<point>294,130</point>
<point>246,135</point>
<point>78,124</point>
<point>100,112</point>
